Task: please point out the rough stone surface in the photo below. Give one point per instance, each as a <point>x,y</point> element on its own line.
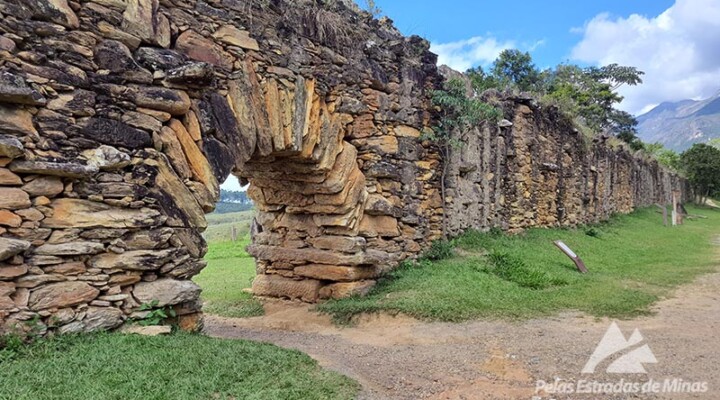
<point>10,147</point>
<point>76,213</point>
<point>119,119</point>
<point>11,247</point>
<point>166,292</point>
<point>278,286</point>
<point>14,199</point>
<point>61,294</point>
<point>154,330</point>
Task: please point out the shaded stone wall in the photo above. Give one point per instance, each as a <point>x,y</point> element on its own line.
<point>119,120</point>
<point>535,168</point>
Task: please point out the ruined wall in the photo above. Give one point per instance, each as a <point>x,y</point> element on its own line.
<point>120,118</point>
<point>534,168</point>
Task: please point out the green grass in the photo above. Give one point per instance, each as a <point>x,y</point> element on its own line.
<point>177,367</point>
<point>220,225</point>
<point>633,262</point>
<point>230,270</point>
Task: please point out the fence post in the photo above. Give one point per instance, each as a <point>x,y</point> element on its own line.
<point>233,233</point>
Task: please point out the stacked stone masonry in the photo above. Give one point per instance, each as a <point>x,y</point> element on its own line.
<point>119,119</point>
<point>535,169</point>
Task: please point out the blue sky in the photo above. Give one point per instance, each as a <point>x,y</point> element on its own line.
<point>551,27</point>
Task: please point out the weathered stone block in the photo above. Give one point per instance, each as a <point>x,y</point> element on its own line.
<point>61,294</point>
<point>166,292</point>
<point>233,36</point>
<point>346,289</point>
<point>335,272</point>
<point>77,213</point>
<point>136,260</point>
<point>69,249</point>
<point>13,199</point>
<point>278,286</point>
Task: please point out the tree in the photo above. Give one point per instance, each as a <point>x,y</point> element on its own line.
<point>701,164</point>
<point>589,93</point>
<point>516,68</point>
<point>482,81</point>
<point>624,126</point>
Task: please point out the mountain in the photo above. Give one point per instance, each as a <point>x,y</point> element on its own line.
<point>681,124</point>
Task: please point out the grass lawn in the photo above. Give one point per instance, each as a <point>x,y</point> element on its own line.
<point>230,270</point>
<point>177,367</point>
<point>633,261</point>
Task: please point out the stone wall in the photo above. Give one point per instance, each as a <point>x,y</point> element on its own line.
<point>119,119</point>
<point>535,169</point>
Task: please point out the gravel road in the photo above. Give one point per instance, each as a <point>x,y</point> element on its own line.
<point>396,357</point>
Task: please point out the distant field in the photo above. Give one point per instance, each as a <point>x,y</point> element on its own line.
<point>220,225</point>
<point>225,207</point>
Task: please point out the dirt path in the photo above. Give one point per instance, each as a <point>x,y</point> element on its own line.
<point>402,358</point>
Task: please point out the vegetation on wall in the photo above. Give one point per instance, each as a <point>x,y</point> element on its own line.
<point>587,94</point>
<point>458,111</point>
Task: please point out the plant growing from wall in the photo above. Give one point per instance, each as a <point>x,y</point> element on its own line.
<point>155,316</point>
<point>458,112</point>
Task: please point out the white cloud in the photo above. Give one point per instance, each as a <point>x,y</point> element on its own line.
<point>465,54</point>
<point>679,50</point>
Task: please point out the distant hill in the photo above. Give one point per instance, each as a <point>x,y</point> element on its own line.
<point>681,124</point>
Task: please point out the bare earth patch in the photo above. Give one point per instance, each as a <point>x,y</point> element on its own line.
<point>403,358</point>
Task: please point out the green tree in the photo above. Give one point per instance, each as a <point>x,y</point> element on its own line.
<point>481,80</point>
<point>702,167</point>
<point>515,68</point>
<point>590,93</point>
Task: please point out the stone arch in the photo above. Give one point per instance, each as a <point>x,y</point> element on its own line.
<point>118,120</point>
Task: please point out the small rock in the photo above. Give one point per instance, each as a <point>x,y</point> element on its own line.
<point>175,102</point>
<point>16,121</point>
<point>107,158</point>
<point>13,198</point>
<point>48,186</point>
<point>235,37</point>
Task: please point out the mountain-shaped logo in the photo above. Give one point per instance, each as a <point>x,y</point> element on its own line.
<point>614,342</point>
